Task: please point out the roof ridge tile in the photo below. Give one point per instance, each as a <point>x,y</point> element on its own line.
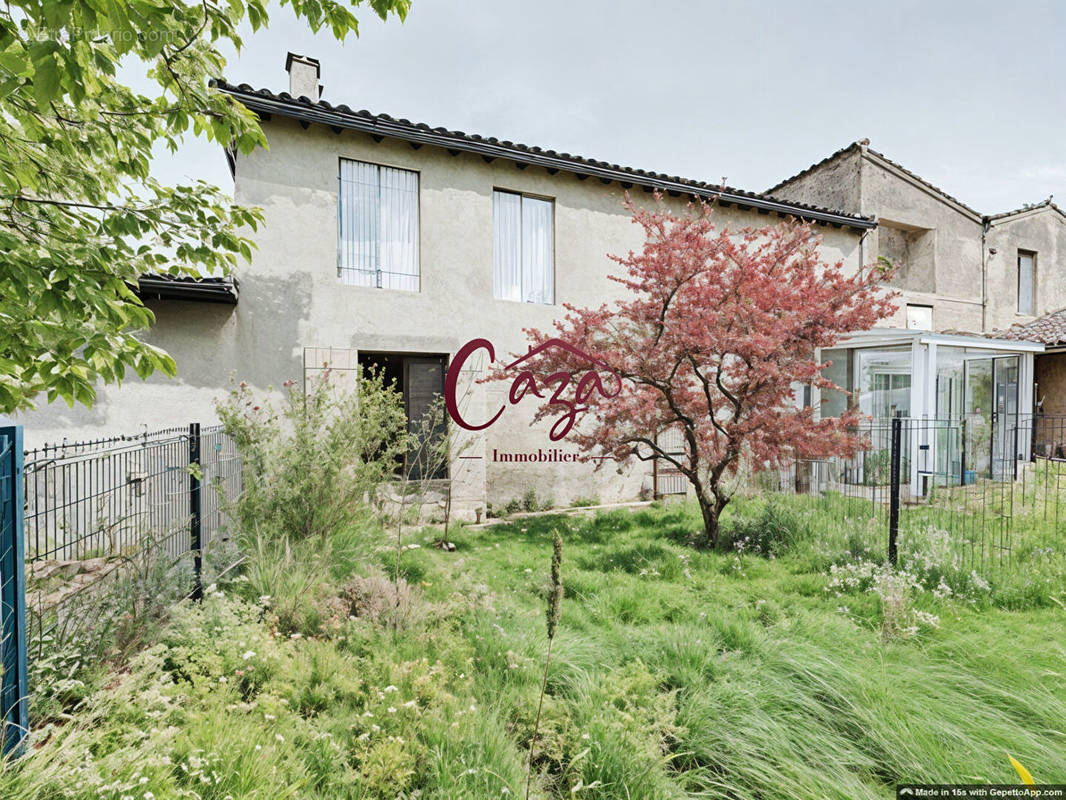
<point>802,210</point>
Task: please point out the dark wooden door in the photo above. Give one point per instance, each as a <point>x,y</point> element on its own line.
<point>426,418</point>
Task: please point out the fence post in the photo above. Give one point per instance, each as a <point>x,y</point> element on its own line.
<point>962,456</point>
<point>14,721</point>
<point>1034,421</point>
<point>893,478</point>
<point>993,423</point>
<point>1015,454</point>
<point>195,521</point>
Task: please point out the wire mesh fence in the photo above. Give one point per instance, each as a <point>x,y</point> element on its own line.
<point>994,487</point>
<point>97,498</point>
<point>101,498</point>
<point>115,530</point>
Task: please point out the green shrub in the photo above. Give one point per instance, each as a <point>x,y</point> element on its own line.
<point>314,463</point>
<point>772,531</point>
<point>529,500</point>
<point>63,675</point>
<point>70,643</point>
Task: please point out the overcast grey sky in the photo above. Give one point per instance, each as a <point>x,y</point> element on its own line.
<point>970,95</point>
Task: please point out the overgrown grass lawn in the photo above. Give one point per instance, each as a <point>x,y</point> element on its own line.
<point>677,672</point>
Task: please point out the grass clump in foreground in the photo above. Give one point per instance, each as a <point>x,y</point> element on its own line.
<point>765,671</point>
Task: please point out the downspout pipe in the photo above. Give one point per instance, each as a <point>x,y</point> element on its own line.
<point>984,275</point>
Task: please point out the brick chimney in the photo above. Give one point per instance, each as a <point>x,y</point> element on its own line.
<point>304,73</point>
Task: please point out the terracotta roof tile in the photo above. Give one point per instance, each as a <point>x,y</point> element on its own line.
<point>1049,329</point>
<point>1049,203</point>
<point>384,125</point>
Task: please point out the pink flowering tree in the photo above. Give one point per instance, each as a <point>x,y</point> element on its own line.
<point>715,328</point>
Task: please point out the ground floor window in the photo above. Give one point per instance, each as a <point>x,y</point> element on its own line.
<point>420,379</point>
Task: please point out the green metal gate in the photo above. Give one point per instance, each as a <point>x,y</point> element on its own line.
<point>13,689</point>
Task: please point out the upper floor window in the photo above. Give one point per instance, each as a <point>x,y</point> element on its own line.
<point>523,248</point>
<point>378,226</point>
<point>1026,282</point>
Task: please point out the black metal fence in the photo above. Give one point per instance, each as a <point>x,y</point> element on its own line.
<point>994,486</point>
<point>119,528</point>
<point>96,538</point>
<point>102,498</point>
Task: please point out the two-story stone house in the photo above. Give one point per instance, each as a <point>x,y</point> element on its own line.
<point>393,243</point>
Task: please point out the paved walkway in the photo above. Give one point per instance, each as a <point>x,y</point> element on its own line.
<point>586,511</point>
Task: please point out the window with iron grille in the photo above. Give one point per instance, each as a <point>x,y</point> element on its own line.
<point>378,226</point>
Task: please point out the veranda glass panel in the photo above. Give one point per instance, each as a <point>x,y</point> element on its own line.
<point>839,372</point>
<point>885,382</point>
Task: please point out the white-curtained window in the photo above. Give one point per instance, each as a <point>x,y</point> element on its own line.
<point>523,248</point>
<point>1026,282</point>
<point>378,226</point>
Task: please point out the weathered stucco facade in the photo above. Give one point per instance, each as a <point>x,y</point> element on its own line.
<point>291,298</point>
<point>1041,231</point>
<point>950,258</point>
<point>295,312</point>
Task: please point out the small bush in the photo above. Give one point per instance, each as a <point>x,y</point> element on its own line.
<point>71,642</point>
<point>774,530</point>
<point>583,500</point>
<point>312,465</point>
<point>896,589</point>
<point>62,676</point>
<point>377,600</point>
<point>529,500</point>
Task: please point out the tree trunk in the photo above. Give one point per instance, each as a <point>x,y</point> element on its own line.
<point>710,510</point>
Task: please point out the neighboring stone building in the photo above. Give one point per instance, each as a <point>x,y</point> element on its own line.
<point>958,269</point>
<point>1050,367</point>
